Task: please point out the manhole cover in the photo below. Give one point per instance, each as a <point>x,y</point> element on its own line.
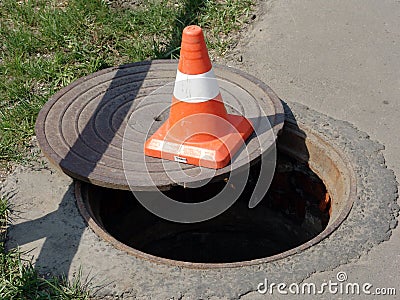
<point>82,128</point>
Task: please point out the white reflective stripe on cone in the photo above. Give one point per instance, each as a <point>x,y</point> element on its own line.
<point>182,149</point>
<point>196,88</point>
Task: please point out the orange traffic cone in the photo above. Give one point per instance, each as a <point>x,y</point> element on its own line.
<point>199,131</point>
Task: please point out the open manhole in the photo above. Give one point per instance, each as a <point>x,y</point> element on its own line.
<point>310,195</point>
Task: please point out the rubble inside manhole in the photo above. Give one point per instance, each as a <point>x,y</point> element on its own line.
<point>295,210</point>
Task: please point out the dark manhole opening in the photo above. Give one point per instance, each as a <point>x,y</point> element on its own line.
<point>295,210</point>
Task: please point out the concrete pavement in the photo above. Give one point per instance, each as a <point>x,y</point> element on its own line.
<point>341,58</point>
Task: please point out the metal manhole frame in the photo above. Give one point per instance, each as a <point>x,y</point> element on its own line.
<point>89,217</point>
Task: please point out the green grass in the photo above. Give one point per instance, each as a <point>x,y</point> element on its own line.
<point>45,45</point>
<point>20,280</point>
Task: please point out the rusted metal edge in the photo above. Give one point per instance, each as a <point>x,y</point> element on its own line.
<point>333,225</point>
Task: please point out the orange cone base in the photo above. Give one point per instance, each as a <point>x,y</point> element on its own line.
<point>215,153</point>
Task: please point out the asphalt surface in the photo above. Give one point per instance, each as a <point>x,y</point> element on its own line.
<point>341,58</point>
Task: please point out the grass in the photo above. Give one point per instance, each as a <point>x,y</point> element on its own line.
<point>20,280</point>
<point>45,45</point>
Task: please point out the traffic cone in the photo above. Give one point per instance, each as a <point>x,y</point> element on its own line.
<point>199,130</point>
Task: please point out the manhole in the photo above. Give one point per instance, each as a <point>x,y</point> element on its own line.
<point>301,227</point>
<point>311,194</point>
<point>350,164</point>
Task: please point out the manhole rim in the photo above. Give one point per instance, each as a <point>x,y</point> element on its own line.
<point>88,216</point>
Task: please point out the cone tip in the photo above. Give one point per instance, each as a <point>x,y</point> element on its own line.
<point>193,30</point>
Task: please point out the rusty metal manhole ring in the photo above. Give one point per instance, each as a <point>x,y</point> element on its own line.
<point>81,128</point>
<point>300,143</point>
